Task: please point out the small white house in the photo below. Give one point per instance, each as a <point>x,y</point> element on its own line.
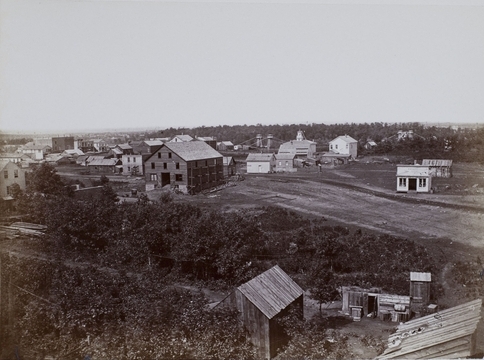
<point>260,163</point>
<point>413,178</point>
<point>344,145</point>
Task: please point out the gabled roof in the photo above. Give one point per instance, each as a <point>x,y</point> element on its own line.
<point>3,163</point>
<point>117,151</point>
<point>436,335</point>
<point>124,146</point>
<point>436,162</point>
<point>420,276</point>
<point>36,147</point>
<point>260,157</point>
<point>228,160</point>
<point>192,150</point>
<point>153,142</point>
<point>73,152</point>
<point>272,291</point>
<point>285,156</point>
<point>345,138</point>
<point>181,138</point>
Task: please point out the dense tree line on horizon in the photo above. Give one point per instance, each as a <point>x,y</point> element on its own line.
<point>462,144</point>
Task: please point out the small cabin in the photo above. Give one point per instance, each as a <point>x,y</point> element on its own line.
<point>413,178</point>
<point>261,302</point>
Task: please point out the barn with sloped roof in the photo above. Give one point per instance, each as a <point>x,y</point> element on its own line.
<point>261,302</point>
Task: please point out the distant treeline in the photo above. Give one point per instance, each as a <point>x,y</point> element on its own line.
<point>461,144</point>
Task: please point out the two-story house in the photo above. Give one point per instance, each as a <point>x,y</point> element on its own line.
<point>190,166</point>
<point>344,145</point>
<point>10,174</point>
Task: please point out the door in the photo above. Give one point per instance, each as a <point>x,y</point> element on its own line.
<point>260,168</point>
<point>165,179</point>
<point>412,184</point>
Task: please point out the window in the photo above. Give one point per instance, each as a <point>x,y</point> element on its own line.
<point>15,173</point>
<point>206,163</point>
<point>169,155</point>
<point>128,158</point>
<point>287,163</point>
<point>402,182</point>
<point>134,159</point>
<point>331,147</point>
<point>164,165</point>
<point>152,165</point>
<point>422,183</point>
<point>280,163</point>
<point>153,177</point>
<point>196,163</point>
<point>177,165</point>
<point>129,169</point>
<point>159,155</point>
<point>179,177</point>
<point>347,146</point>
<point>5,174</point>
<point>336,146</point>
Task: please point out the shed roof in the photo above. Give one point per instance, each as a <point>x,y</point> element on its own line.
<point>430,333</point>
<point>192,150</point>
<point>104,162</point>
<point>272,291</point>
<point>259,157</point>
<point>420,276</point>
<point>436,162</point>
<point>345,138</point>
<point>125,146</point>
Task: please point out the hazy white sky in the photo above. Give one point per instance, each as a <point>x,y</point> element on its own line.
<point>69,65</point>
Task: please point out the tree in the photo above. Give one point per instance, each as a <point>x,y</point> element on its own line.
<point>44,179</point>
<point>323,285</point>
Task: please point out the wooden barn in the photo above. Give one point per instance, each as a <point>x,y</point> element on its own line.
<point>439,167</point>
<point>448,334</point>
<point>262,301</point>
<point>420,287</point>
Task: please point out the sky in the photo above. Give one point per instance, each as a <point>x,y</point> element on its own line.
<point>75,65</point>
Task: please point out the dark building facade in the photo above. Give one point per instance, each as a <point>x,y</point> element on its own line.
<point>63,143</point>
<point>190,167</point>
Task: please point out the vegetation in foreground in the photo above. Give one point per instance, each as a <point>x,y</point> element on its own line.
<point>103,282</point>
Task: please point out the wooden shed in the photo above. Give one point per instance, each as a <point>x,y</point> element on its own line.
<point>262,301</point>
<point>439,167</point>
<point>448,334</point>
<point>355,298</point>
<point>420,287</point>
<point>394,307</point>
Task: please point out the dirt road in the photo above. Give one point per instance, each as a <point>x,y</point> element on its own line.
<point>394,215</point>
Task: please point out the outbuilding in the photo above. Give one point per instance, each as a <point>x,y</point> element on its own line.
<point>413,178</point>
<point>230,166</point>
<point>439,167</point>
<point>420,287</point>
<point>260,163</point>
<point>285,163</point>
<point>262,301</point>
